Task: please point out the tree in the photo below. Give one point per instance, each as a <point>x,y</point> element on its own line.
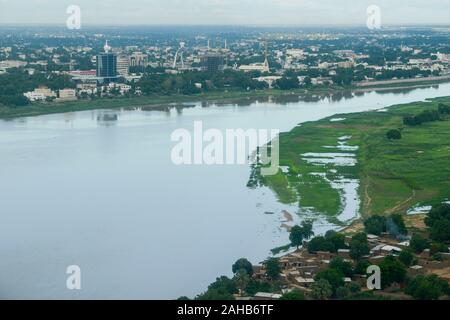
<point>299,233</point>
<point>215,295</point>
<point>359,246</point>
<point>394,134</point>
<point>441,231</point>
<point>342,293</point>
<point>395,225</point>
<point>293,295</point>
<point>320,244</point>
<point>222,289</point>
<point>418,244</point>
<point>443,108</point>
<point>287,83</point>
<point>406,257</point>
<point>307,229</point>
<point>273,268</point>
<point>321,290</point>
<point>241,279</point>
<point>14,100</point>
<point>358,249</point>
<point>243,264</point>
<point>223,284</point>
<point>361,267</point>
<point>437,247</point>
<point>354,287</point>
<point>334,277</point>
<point>392,271</point>
<point>342,266</point>
<point>375,225</point>
<point>296,236</point>
<point>362,237</point>
<point>438,220</point>
<point>424,116</point>
<point>332,242</point>
<point>337,240</point>
<point>427,287</point>
<point>255,286</point>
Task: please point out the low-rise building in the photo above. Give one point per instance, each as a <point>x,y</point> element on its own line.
<point>67,94</point>
<point>40,94</point>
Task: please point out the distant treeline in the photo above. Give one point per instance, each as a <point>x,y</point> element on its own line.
<point>427,116</point>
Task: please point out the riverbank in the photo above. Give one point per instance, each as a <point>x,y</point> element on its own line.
<point>149,102</point>
<point>393,175</point>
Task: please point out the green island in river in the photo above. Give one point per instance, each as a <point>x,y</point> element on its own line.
<point>394,174</point>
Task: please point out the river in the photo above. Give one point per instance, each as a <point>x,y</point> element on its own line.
<point>98,189</point>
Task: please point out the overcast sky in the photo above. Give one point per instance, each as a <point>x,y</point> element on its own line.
<point>241,12</point>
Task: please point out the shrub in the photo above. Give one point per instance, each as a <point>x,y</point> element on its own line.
<point>418,244</point>
<point>375,225</point>
<point>427,287</point>
<point>394,134</point>
<point>443,108</point>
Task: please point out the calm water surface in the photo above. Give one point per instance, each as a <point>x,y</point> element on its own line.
<point>98,189</point>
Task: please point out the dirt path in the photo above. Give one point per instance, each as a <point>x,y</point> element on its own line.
<point>367,198</point>
<point>401,204</point>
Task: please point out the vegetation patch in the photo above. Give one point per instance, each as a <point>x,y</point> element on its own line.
<point>398,164</point>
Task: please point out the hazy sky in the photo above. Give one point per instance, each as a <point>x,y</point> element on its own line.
<point>280,12</point>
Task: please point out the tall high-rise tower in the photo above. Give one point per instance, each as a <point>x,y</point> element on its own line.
<point>107,64</point>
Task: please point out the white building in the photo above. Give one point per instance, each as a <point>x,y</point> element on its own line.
<point>7,64</point>
<point>67,94</point>
<point>270,80</point>
<point>40,94</point>
<point>261,67</point>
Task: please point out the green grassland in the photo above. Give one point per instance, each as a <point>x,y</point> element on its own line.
<point>394,175</point>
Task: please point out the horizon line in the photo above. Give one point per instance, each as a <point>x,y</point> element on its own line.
<point>350,25</point>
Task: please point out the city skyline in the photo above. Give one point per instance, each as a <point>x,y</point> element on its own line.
<point>225,12</point>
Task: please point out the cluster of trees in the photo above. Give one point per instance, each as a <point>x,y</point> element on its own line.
<point>394,225</point>
<point>424,116</point>
<point>287,83</point>
<point>330,283</point>
<point>429,287</point>
<point>359,246</point>
<point>300,233</point>
<point>438,221</point>
<point>331,242</point>
<point>185,83</point>
<point>17,81</point>
<point>242,283</point>
<point>443,108</point>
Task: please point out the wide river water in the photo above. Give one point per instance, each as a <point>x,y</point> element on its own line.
<point>98,189</point>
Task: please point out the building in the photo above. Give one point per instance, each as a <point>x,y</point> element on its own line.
<point>107,65</point>
<point>212,62</point>
<point>261,67</point>
<point>270,80</point>
<point>139,60</point>
<point>9,64</point>
<point>123,65</point>
<point>67,95</point>
<point>40,94</point>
